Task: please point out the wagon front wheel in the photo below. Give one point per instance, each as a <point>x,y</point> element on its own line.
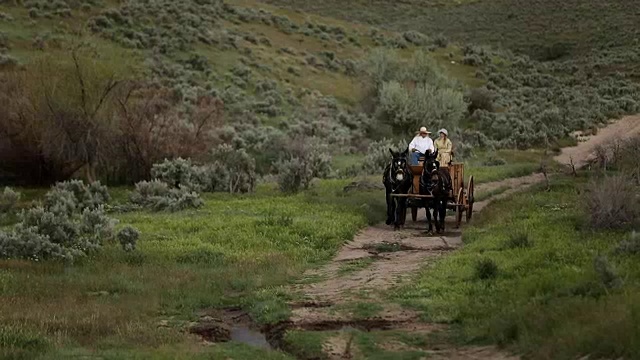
<point>470,199</point>
<point>459,207</point>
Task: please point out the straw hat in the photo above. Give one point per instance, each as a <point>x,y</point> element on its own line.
<point>423,130</point>
<point>444,131</point>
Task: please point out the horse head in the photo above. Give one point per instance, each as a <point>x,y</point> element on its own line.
<point>431,165</point>
<point>398,170</point>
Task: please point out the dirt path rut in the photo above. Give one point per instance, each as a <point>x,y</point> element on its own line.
<point>379,258</point>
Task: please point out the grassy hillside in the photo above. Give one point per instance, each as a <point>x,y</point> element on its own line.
<point>304,51</point>
<point>280,74</point>
<point>532,27</point>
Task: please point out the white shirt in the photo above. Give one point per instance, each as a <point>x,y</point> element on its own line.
<point>422,144</point>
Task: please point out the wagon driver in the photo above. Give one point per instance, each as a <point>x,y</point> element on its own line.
<point>445,148</point>
<point>421,145</point>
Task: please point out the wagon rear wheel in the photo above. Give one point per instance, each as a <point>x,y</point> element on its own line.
<point>459,207</point>
<point>470,199</point>
<point>414,213</point>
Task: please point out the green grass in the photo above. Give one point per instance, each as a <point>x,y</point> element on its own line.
<point>369,346</point>
<point>517,163</point>
<point>236,251</point>
<point>307,344</point>
<point>544,298</point>
<point>489,194</point>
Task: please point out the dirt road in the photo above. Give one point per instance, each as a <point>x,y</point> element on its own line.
<point>379,258</point>
<point>622,129</point>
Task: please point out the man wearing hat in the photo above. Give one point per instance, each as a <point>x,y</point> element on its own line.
<point>420,145</point>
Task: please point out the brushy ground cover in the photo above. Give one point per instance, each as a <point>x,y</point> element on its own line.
<point>534,276</point>
<point>235,251</point>
<point>521,25</point>
<point>544,77</point>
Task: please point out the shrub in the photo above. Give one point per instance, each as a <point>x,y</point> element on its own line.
<point>158,196</point>
<point>554,51</point>
<point>306,160</point>
<point>8,200</point>
<point>232,170</point>
<point>148,189</point>
<point>480,99</point>
<point>472,60</point>
<point>486,269</point>
<point>378,157</point>
<point>441,41</point>
<point>415,38</point>
<point>7,60</point>
<point>76,195</point>
<point>59,231</point>
<point>630,245</point>
<point>608,276</point>
<point>381,66</point>
<point>408,109</point>
<point>612,202</point>
<point>128,238</point>
<point>27,243</point>
<point>4,41</point>
<point>176,173</point>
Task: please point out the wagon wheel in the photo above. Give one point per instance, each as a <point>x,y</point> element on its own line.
<point>459,207</point>
<point>470,199</point>
<point>414,213</point>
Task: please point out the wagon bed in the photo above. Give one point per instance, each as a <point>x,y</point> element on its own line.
<point>460,199</point>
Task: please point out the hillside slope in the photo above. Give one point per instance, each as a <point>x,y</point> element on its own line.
<point>527,26</point>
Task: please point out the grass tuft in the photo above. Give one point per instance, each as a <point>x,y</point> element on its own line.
<point>486,269</point>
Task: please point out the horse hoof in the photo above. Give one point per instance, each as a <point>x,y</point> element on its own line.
<point>389,222</point>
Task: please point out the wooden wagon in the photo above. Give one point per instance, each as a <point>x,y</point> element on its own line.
<point>460,199</point>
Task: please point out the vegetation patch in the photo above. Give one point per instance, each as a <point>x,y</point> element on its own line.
<point>545,296</point>
<point>234,251</point>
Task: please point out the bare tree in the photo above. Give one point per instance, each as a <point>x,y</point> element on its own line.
<point>154,124</point>
<point>59,113</point>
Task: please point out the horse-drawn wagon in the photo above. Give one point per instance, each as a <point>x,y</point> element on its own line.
<point>460,199</point>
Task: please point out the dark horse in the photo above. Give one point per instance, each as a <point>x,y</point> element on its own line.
<point>397,179</point>
<point>436,182</point>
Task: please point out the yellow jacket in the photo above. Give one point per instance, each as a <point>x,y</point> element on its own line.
<point>444,148</point>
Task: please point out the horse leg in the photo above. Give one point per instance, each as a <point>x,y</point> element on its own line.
<point>397,215</point>
<point>426,207</point>
<point>390,212</point>
<point>443,214</point>
<point>402,210</point>
<point>436,215</point>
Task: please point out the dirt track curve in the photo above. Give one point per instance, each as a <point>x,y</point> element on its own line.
<point>413,249</point>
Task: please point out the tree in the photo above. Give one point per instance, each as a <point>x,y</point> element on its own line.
<point>57,116</point>
<point>154,124</point>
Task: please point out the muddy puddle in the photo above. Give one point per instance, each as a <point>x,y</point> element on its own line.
<point>229,325</point>
<point>245,335</point>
